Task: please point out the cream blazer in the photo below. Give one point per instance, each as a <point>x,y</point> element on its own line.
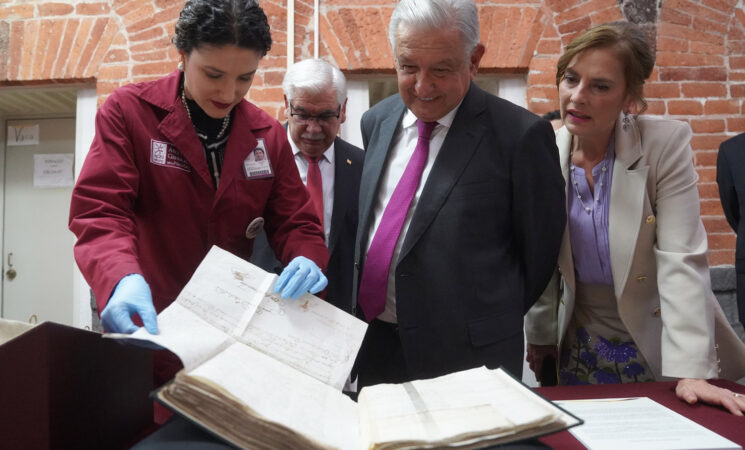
<point>658,258</point>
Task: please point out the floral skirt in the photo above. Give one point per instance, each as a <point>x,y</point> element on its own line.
<point>597,348</point>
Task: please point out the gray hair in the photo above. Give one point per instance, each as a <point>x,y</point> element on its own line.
<point>314,76</point>
<point>433,14</point>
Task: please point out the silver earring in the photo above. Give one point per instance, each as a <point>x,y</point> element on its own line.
<point>180,66</point>
<point>626,121</point>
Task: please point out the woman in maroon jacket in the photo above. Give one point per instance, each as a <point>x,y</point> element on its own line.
<point>170,173</point>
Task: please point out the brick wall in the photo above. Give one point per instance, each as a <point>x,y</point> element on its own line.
<point>699,78</point>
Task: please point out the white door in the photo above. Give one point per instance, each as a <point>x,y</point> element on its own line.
<point>37,246</point>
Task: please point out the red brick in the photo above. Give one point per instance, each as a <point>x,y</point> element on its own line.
<point>260,96</point>
<point>684,107</point>
<point>91,9</point>
<point>710,191</point>
<point>707,48</point>
<point>693,74</point>
<point>15,50</point>
<point>669,44</point>
<point>14,12</point>
<point>724,6</point>
<point>116,55</point>
<point>575,26</point>
<point>737,62</point>
<point>153,68</point>
<point>707,142</point>
<point>682,32</point>
<point>152,33</point>
<point>737,76</point>
<point>736,124</point>
<point>711,207</point>
<point>549,47</point>
<point>721,257</point>
<point>31,34</point>
<point>737,90</point>
<point>706,90</point>
<point>606,15</point>
<point>656,108</point>
<point>721,241</point>
<point>81,37</point>
<point>149,46</point>
<point>94,39</point>
<point>141,12</point>
<point>71,26</point>
<point>155,55</point>
<point>722,107</point>
<point>54,9</point>
<point>113,73</point>
<point>662,90</point>
<point>578,10</point>
<point>53,47</point>
<point>707,125</point>
<point>687,59</point>
<point>675,16</point>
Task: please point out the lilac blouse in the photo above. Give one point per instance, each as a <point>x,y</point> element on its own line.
<point>588,220</point>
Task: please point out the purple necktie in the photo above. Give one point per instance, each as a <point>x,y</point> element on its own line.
<point>374,284</point>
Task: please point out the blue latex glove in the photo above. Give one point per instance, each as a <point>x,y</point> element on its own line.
<point>300,276</point>
<point>131,296</point>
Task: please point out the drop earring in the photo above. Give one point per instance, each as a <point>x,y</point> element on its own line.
<point>626,121</point>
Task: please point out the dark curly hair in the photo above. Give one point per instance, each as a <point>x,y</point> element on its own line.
<point>222,22</point>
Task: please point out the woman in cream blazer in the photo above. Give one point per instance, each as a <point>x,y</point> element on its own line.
<point>656,241</point>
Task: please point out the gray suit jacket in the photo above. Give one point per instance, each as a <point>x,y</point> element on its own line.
<point>347,172</point>
<point>484,238</point>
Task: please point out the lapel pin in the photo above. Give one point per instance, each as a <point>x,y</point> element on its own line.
<point>349,162</point>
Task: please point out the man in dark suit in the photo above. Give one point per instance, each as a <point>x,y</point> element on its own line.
<point>731,181</point>
<point>479,235</point>
<point>315,102</point>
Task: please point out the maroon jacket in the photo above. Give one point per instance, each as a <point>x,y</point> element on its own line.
<point>145,203</point>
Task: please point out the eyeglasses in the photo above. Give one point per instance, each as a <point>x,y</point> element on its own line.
<point>304,118</point>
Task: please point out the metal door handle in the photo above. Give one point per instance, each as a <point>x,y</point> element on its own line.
<point>11,272</point>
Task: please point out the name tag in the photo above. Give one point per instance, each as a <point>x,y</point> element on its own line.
<point>257,164</point>
<point>163,154</point>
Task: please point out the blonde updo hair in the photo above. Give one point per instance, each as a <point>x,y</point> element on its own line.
<point>631,46</point>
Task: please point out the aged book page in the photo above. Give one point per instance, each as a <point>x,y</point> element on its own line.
<point>229,300</point>
<point>468,407</point>
<point>275,397</point>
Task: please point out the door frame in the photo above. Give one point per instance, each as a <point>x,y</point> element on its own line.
<point>85,115</point>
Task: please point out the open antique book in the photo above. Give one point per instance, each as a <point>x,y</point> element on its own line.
<point>266,373</point>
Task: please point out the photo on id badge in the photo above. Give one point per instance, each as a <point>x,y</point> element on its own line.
<point>256,164</point>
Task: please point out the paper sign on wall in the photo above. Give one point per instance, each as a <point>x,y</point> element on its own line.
<point>23,134</point>
<point>53,170</point>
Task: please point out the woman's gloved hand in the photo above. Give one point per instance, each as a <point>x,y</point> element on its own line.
<point>131,296</point>
<point>300,276</point>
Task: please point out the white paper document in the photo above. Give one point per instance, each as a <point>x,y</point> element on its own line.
<point>230,301</point>
<point>639,423</point>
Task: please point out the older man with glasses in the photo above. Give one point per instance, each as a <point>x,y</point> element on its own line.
<point>315,102</point>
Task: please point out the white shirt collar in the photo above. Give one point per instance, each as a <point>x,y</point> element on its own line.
<point>328,155</point>
<point>410,119</point>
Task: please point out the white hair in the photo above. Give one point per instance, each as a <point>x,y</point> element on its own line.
<point>437,14</point>
<point>314,76</point>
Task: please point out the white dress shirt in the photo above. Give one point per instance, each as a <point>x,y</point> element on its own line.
<point>402,148</point>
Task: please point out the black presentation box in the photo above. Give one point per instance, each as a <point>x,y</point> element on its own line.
<point>62,387</point>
